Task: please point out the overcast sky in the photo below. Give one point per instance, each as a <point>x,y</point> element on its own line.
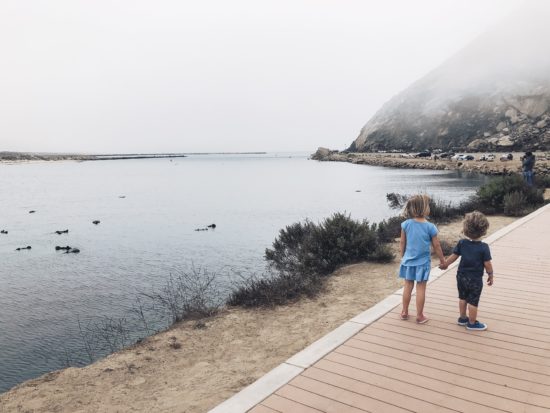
<point>240,75</point>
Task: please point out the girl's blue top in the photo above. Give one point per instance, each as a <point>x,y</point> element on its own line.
<point>419,237</point>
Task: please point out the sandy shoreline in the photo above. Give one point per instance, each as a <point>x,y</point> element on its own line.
<point>393,160</point>
<point>232,350</point>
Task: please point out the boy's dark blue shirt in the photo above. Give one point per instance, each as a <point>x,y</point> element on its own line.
<point>473,255</point>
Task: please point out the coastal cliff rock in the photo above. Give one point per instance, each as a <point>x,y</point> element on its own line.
<point>322,154</point>
<point>494,94</point>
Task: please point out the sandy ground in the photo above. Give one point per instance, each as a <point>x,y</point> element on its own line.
<point>231,351</point>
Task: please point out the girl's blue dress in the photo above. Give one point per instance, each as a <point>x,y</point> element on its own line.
<point>416,262</point>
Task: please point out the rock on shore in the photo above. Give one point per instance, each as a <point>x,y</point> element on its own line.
<point>542,166</point>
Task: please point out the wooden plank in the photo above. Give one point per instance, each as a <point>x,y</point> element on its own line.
<point>344,396</point>
<point>496,307</point>
<point>432,377</point>
<point>284,405</point>
<point>437,357</point>
<point>451,295</point>
<point>317,401</point>
<point>447,395</point>
<point>485,338</point>
<point>500,323</point>
<point>475,353</point>
<point>459,369</point>
<point>379,388</point>
<point>263,409</point>
<point>458,343</point>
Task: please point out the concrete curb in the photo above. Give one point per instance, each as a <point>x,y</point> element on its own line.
<point>250,396</point>
<point>259,390</point>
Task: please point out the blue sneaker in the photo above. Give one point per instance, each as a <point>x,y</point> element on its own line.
<point>477,326</point>
<point>462,321</point>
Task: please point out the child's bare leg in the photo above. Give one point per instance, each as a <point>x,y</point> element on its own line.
<point>420,300</point>
<point>407,292</point>
<point>462,308</point>
<point>472,313</point>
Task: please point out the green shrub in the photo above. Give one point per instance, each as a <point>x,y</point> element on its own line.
<point>515,204</point>
<point>383,254</point>
<point>491,195</point>
<point>303,255</point>
<point>308,248</point>
<point>388,229</point>
<point>542,181</point>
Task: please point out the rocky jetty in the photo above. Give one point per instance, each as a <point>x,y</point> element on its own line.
<point>494,95</point>
<point>32,156</point>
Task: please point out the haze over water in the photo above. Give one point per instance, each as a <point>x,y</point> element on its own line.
<point>150,233</point>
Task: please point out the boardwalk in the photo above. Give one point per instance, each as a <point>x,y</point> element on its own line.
<point>391,365</point>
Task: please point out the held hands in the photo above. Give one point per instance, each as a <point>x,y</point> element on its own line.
<point>443,265</point>
<point>490,280</point>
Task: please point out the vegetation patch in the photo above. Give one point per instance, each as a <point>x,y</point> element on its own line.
<point>493,196</point>
<point>305,253</point>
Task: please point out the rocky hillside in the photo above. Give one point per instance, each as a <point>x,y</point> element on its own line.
<point>493,95</point>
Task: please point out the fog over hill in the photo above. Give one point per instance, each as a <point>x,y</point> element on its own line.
<point>494,94</point>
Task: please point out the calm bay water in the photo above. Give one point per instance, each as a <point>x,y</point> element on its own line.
<point>150,233</point>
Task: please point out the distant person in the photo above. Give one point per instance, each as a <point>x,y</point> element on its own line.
<point>527,165</point>
<point>475,257</point>
<point>417,234</point>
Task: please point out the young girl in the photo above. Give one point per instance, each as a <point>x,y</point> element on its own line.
<point>417,234</point>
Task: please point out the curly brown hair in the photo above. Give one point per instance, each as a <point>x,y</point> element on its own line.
<point>418,206</point>
<point>475,225</point>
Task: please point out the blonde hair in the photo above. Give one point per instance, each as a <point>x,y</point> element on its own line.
<point>418,206</point>
<point>475,225</point>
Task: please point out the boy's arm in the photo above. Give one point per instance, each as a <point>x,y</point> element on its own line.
<point>402,243</point>
<point>437,248</point>
<point>489,268</point>
<point>452,258</point>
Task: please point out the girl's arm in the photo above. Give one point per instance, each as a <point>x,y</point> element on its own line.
<point>489,268</point>
<point>402,243</point>
<point>437,248</point>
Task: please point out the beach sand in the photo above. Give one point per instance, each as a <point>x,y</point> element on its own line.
<point>228,352</point>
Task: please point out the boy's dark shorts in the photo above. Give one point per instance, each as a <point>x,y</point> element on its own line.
<point>469,288</point>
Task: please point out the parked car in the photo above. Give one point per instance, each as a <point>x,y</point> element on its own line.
<point>508,157</point>
<point>446,155</point>
<point>458,157</point>
<point>423,154</point>
<point>469,158</point>
<point>489,157</point>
